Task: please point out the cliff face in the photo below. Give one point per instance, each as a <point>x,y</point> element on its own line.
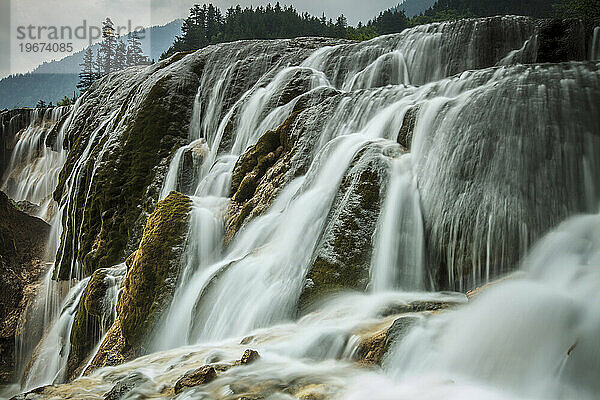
<point>22,250</point>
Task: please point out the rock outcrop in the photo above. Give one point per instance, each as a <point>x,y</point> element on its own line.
<point>259,174</point>
<point>22,250</point>
<point>150,283</point>
<point>343,256</point>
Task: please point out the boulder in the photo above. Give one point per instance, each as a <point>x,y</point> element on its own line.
<point>249,357</point>
<point>200,376</point>
<point>374,345</point>
<point>151,279</point>
<point>124,386</point>
<point>259,174</point>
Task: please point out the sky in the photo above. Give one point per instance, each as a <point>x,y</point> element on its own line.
<point>25,23</point>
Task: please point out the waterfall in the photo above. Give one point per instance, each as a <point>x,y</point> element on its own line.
<point>499,347</point>
<point>595,49</point>
<point>52,353</point>
<point>37,159</point>
<point>402,167</point>
<point>255,264</point>
<point>398,257</point>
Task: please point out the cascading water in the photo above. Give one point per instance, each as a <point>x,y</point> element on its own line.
<point>450,159</point>
<point>401,245</point>
<point>595,49</point>
<point>236,282</point>
<point>48,364</point>
<point>499,346</point>
<point>35,163</point>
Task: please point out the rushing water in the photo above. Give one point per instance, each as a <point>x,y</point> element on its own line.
<point>498,155</point>
<point>32,173</point>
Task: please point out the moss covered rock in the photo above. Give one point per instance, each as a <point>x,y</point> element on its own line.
<point>343,256</point>
<point>94,316</point>
<point>121,139</point>
<point>259,174</point>
<point>153,274</point>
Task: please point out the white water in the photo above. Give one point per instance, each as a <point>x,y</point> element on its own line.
<point>254,283</point>
<point>398,258</point>
<point>534,337</point>
<point>595,49</point>
<point>53,351</point>
<point>32,173</point>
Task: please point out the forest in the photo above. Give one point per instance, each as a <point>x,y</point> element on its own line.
<point>207,24</point>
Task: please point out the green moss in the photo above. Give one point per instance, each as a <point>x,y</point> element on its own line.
<point>95,293</point>
<point>110,213</point>
<point>85,332</point>
<point>342,260</point>
<point>150,281</point>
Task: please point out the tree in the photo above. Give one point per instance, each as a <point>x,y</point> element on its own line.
<point>66,101</point>
<point>587,10</point>
<point>98,64</point>
<point>40,104</point>
<point>108,46</point>
<point>341,26</point>
<point>135,55</point>
<point>120,56</point>
<point>87,75</point>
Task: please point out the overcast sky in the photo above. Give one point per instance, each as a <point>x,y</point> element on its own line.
<point>72,13</point>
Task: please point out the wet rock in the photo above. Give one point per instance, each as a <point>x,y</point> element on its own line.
<point>114,350</point>
<point>124,386</point>
<point>343,256</point>
<point>94,315</point>
<point>374,345</point>
<point>417,306</point>
<point>258,176</point>
<point>201,376</point>
<point>408,127</point>
<point>191,161</point>
<point>313,392</point>
<point>11,122</point>
<point>151,279</point>
<point>22,249</point>
<point>152,274</point>
<point>249,357</point>
<point>85,333</point>
<point>28,207</point>
<point>37,393</point>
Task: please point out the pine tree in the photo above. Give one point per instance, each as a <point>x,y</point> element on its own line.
<point>98,64</point>
<point>120,56</point>
<point>87,75</point>
<point>108,46</point>
<point>340,26</point>
<point>135,55</point>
